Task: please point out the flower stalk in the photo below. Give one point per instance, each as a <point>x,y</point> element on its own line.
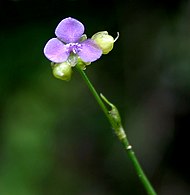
<point>115,122</point>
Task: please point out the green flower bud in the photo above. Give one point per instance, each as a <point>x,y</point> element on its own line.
<point>62,70</point>
<point>104,41</point>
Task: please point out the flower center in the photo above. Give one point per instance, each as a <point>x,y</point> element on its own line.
<point>74,47</point>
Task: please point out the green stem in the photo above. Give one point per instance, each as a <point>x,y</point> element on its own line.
<point>114,119</point>
<point>94,92</point>
<point>146,183</point>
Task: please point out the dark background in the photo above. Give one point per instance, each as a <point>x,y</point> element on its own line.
<point>55,140</point>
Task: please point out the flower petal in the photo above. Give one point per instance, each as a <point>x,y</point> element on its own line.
<point>56,51</point>
<point>69,30</point>
<point>89,51</point>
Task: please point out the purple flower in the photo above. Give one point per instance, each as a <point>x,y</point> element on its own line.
<point>68,43</point>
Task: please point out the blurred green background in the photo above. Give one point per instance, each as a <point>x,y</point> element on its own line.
<point>55,140</point>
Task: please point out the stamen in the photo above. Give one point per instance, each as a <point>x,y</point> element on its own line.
<point>74,47</point>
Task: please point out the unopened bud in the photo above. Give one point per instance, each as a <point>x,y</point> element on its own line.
<point>104,41</point>
<point>62,71</point>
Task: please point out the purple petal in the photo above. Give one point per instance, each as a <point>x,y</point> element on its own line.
<point>56,51</point>
<point>69,30</point>
<point>89,51</point>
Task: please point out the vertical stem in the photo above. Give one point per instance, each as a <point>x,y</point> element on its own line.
<point>121,135</point>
